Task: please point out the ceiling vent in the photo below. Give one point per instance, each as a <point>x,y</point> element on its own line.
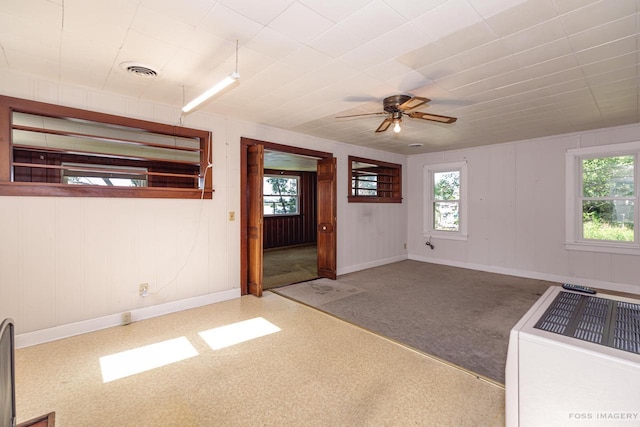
<point>139,70</point>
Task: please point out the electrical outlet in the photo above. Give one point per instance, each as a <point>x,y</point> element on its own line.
<point>144,289</point>
<point>126,318</point>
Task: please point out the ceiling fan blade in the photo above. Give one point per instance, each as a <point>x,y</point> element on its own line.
<point>384,125</point>
<point>432,117</point>
<point>360,115</point>
<point>412,103</point>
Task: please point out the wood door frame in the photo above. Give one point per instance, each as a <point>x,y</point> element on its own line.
<point>245,194</point>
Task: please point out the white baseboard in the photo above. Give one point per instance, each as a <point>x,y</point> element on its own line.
<point>620,287</point>
<point>63,331</point>
<point>377,263</point>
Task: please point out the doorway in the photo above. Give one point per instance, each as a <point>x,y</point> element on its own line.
<point>252,208</point>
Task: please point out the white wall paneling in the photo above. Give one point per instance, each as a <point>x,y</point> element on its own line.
<point>517,212</point>
<point>68,265</point>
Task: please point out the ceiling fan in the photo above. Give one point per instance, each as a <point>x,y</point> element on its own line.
<point>396,106</point>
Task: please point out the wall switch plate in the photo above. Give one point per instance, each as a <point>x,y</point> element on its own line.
<point>126,318</point>
<point>144,289</point>
<point>232,216</point>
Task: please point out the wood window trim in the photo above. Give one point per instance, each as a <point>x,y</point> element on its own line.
<point>396,191</point>
<point>9,188</point>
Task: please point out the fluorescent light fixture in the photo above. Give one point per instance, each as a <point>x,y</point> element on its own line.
<point>232,78</point>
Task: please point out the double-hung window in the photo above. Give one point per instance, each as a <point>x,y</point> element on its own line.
<point>281,195</point>
<point>602,189</point>
<point>445,213</point>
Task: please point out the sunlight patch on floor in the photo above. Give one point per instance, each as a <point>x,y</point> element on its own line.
<point>236,333</point>
<point>141,359</point>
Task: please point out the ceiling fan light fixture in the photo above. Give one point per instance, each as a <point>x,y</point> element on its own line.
<point>397,127</point>
<point>229,80</point>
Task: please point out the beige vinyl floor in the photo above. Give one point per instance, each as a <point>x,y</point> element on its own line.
<point>307,368</point>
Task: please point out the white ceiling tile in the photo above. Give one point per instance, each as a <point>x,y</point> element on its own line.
<point>205,43</point>
<point>468,38</point>
<point>615,30</point>
<point>335,10</point>
<point>47,67</point>
<point>481,54</point>
<point>410,9</point>
<point>506,68</point>
<point>336,41</point>
<point>598,13</point>
<point>553,66</point>
<point>408,81</point>
<point>488,8</point>
<point>161,26</point>
<point>250,63</point>
<point>91,74</point>
<point>482,72</point>
<point>258,10</point>
<point>39,12</point>
<point>85,13</point>
<point>564,6</point>
<point>372,20</point>
<point>401,40</point>
<point>613,76</point>
<point>546,52</point>
<point>537,84</point>
<point>147,50</point>
<point>423,56</point>
<point>365,56</point>
<point>230,25</point>
<point>447,18</point>
<point>190,12</point>
<point>536,35</point>
<point>304,60</point>
<point>608,50</point>
<point>76,50</point>
<point>387,70</point>
<point>623,61</point>
<point>522,16</point>
<point>272,43</point>
<point>35,40</point>
<point>510,78</point>
<point>442,69</point>
<point>187,65</point>
<point>300,23</point>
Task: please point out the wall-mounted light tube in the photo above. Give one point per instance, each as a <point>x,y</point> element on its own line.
<point>232,78</point>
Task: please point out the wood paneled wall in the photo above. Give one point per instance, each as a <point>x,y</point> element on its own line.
<point>292,230</point>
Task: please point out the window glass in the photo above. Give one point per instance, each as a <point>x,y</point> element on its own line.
<point>602,198</point>
<point>608,190</point>
<point>280,195</point>
<point>446,200</point>
<point>445,204</point>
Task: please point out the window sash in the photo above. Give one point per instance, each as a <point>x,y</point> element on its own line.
<point>455,226</point>
<point>272,200</point>
<point>575,222</point>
